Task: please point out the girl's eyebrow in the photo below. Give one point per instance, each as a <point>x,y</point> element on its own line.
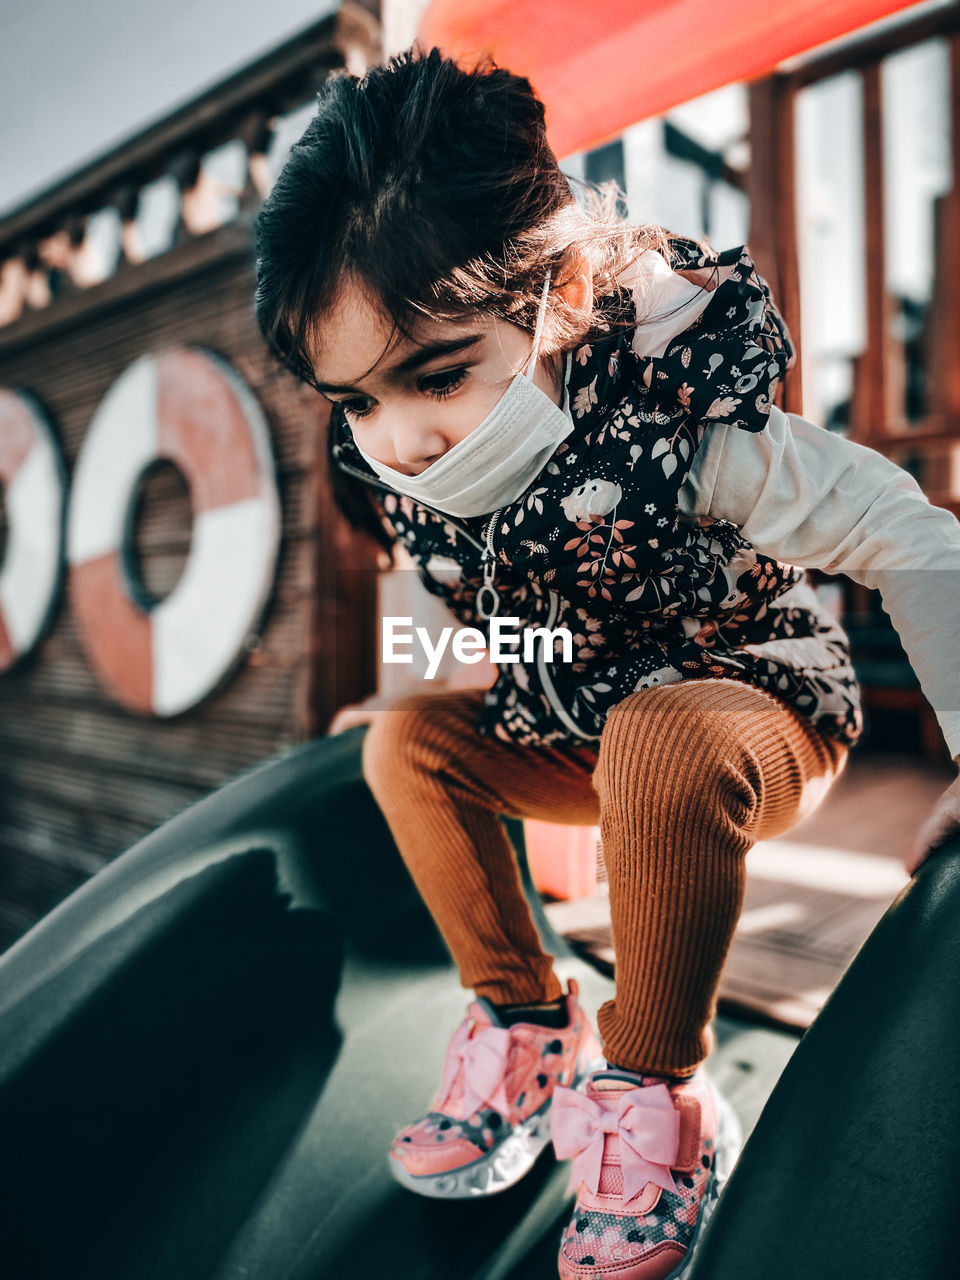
<point>423,355</point>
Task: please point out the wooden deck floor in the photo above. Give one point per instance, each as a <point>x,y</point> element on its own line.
<point>813,895</point>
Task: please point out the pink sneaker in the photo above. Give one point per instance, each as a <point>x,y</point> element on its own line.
<point>491,1117</point>
<point>650,1161</point>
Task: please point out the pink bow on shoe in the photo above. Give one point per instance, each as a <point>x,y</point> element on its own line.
<point>645,1122</point>
<point>482,1054</point>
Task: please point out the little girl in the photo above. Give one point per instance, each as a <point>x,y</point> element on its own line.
<point>576,416</point>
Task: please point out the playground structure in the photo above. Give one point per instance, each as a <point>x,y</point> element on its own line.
<point>93,280</point>
<point>185,1028</point>
<point>206,1049</point>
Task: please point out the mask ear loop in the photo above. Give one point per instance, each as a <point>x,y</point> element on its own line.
<point>541,317</point>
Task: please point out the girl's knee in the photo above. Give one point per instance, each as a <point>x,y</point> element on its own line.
<point>391,738</point>
<point>417,731</point>
<point>668,740</point>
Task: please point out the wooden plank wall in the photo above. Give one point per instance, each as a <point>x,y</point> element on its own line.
<point>81,778</point>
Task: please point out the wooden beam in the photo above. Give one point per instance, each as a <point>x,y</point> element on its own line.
<point>858,54</point>
<point>132,280</point>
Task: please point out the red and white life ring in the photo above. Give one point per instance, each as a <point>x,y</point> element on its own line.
<point>33,475</point>
<point>192,408</point>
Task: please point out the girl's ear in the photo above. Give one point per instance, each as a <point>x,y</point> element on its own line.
<point>575,284</point>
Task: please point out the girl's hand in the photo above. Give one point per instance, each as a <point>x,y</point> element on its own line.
<point>355,713</point>
<point>942,823</point>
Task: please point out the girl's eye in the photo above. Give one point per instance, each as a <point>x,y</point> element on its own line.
<point>437,385</point>
<point>442,384</point>
<point>355,409</point>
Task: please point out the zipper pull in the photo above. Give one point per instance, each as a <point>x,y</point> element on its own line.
<point>488,594</point>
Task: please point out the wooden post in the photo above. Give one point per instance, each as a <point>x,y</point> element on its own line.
<point>872,403</point>
<point>771,187</point>
<point>944,323</point>
<point>341,584</point>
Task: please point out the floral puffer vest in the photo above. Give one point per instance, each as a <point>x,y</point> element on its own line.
<point>597,543</point>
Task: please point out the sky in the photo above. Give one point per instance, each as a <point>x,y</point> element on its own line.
<point>79,76</point>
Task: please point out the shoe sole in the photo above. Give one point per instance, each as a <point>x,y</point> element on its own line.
<point>492,1173</point>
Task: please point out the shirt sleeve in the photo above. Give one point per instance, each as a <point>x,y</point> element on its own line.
<point>811,498</point>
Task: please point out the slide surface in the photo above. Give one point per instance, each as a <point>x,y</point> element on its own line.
<point>206,1050</point>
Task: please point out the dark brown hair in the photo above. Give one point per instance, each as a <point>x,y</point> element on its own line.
<point>433,186</point>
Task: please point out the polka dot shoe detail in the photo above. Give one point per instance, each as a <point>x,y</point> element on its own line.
<point>490,1118</point>
<point>650,1161</point>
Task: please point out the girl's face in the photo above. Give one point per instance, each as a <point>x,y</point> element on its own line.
<point>425,396</point>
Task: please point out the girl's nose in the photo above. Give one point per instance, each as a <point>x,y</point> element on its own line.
<point>416,447</point>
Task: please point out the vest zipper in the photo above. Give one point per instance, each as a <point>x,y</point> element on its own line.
<point>487,562</point>
<point>489,573</point>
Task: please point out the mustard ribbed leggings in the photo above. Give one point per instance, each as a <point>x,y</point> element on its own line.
<point>685,778</point>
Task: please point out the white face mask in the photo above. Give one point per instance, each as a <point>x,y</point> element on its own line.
<point>498,460</point>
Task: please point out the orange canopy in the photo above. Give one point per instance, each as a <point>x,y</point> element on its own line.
<point>601,67</point>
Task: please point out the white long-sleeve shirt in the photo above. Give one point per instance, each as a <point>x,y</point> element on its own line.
<point>811,498</point>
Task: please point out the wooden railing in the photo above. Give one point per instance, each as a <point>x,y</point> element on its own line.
<point>89,227</point>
